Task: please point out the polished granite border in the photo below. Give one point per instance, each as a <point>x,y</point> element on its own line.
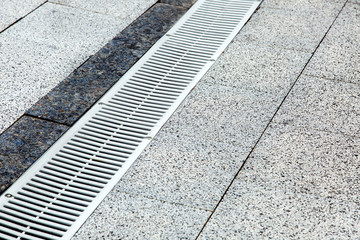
<point>28,138</point>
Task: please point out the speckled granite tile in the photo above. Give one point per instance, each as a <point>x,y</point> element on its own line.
<point>290,29</point>
<point>13,10</point>
<point>125,216</point>
<point>182,3</point>
<point>255,212</point>
<point>212,112</point>
<point>355,1</point>
<point>28,71</point>
<point>329,8</point>
<point>338,56</point>
<point>323,104</point>
<point>125,10</point>
<point>308,162</point>
<point>297,184</point>
<point>22,144</point>
<point>254,67</point>
<point>73,96</point>
<point>68,28</point>
<point>184,170</point>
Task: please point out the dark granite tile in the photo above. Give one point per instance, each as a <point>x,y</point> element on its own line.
<point>76,94</point>
<point>22,144</point>
<point>182,3</point>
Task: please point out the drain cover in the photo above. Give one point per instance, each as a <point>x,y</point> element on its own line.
<point>59,192</point>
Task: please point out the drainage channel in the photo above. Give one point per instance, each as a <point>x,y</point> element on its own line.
<point>56,195</point>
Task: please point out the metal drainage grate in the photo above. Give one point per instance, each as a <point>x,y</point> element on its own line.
<point>59,192</point>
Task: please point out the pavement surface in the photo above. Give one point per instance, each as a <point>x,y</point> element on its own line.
<point>266,146</point>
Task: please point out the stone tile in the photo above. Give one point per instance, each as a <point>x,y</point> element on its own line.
<point>125,10</point>
<point>68,28</point>
<point>184,170</point>
<point>254,67</point>
<point>355,1</point>
<point>13,10</point>
<point>338,56</point>
<point>213,112</point>
<point>22,144</point>
<point>329,8</point>
<point>28,71</point>
<point>323,104</point>
<point>291,29</point>
<point>182,3</point>
<point>124,216</point>
<point>73,96</point>
<point>297,184</point>
<point>253,212</point>
<point>308,162</point>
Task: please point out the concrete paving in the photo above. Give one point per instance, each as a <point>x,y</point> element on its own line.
<point>266,146</point>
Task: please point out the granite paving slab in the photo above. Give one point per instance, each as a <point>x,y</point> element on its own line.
<point>130,10</point>
<point>212,112</point>
<point>126,216</point>
<point>73,96</point>
<point>298,29</point>
<point>68,28</point>
<point>28,71</point>
<point>251,211</point>
<point>184,170</point>
<point>254,67</point>
<point>338,56</point>
<point>23,144</point>
<point>297,184</point>
<point>322,104</point>
<point>308,162</point>
<point>329,8</point>
<point>13,10</point>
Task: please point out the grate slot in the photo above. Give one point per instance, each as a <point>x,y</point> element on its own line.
<point>11,232</point>
<point>96,139</point>
<point>134,98</point>
<point>55,196</point>
<point>29,232</point>
<point>34,223</point>
<point>18,205</point>
<point>59,210</point>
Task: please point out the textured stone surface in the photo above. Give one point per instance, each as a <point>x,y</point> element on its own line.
<point>323,104</point>
<point>42,49</point>
<point>13,10</point>
<point>338,56</point>
<point>182,3</point>
<point>68,28</point>
<point>254,67</point>
<point>23,144</point>
<point>28,71</point>
<point>297,184</point>
<point>73,96</point>
<point>126,10</point>
<point>124,216</point>
<point>290,29</point>
<point>184,170</point>
<point>224,114</point>
<point>329,8</point>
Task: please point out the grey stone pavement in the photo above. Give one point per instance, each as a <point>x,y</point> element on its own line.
<point>266,146</point>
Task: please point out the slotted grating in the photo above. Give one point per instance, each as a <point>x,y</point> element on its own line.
<point>57,194</point>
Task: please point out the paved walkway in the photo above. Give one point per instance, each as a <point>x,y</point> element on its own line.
<point>42,42</point>
<point>266,146</point>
